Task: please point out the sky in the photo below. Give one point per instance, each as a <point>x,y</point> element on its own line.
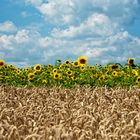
<point>43,31</point>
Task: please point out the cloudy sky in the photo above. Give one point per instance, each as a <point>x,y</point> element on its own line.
<point>42,31</point>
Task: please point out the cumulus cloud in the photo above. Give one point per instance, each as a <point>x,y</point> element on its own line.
<point>28,48</point>
<point>97,25</point>
<point>7,27</point>
<point>66,12</point>
<point>20,48</point>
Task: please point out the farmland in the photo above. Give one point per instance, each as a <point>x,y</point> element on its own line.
<point>60,113</point>
<point>70,101</point>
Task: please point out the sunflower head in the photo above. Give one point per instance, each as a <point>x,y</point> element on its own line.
<point>55,70</point>
<point>2,63</point>
<point>91,67</point>
<point>114,67</point>
<point>69,72</point>
<point>57,76</point>
<point>82,60</point>
<point>115,73</point>
<point>135,72</point>
<point>67,62</point>
<point>31,76</point>
<point>127,67</point>
<point>82,68</point>
<point>27,69</point>
<point>37,67</point>
<point>48,71</point>
<point>49,65</point>
<point>74,78</point>
<point>75,64</point>
<point>102,78</point>
<point>18,71</point>
<point>96,64</point>
<point>138,79</point>
<point>131,61</point>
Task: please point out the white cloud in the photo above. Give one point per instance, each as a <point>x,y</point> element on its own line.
<point>63,14</point>
<point>28,48</point>
<point>97,25</point>
<point>8,27</point>
<point>22,36</point>
<point>67,12</point>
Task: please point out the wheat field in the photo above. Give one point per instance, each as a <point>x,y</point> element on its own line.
<point>80,113</point>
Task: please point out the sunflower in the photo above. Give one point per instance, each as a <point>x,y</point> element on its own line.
<point>69,72</point>
<point>18,71</point>
<point>57,76</point>
<point>37,67</point>
<point>48,71</point>
<point>74,78</point>
<point>135,72</point>
<point>75,64</point>
<point>35,72</point>
<point>131,61</point>
<point>2,63</point>
<point>67,62</point>
<point>127,67</point>
<point>102,78</point>
<point>82,68</point>
<point>138,79</point>
<point>31,76</point>
<point>27,69</point>
<point>49,65</point>
<point>115,73</point>
<point>91,68</point>
<point>114,67</point>
<point>55,70</point>
<point>61,66</point>
<point>82,60</point>
<point>94,76</point>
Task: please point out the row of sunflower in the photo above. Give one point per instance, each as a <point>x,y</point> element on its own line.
<point>73,73</point>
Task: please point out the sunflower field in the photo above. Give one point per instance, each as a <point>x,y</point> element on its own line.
<point>70,74</point>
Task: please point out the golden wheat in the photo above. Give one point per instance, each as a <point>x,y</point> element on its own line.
<point>58,113</point>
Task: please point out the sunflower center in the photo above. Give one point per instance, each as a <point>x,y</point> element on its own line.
<point>114,67</point>
<point>76,63</point>
<point>138,79</point>
<point>38,68</point>
<point>69,72</point>
<point>131,61</point>
<point>82,61</point>
<point>1,63</point>
<point>31,76</point>
<point>67,62</point>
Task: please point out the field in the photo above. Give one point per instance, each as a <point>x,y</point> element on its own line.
<point>81,113</point>
<point>70,101</point>
<point>69,74</point>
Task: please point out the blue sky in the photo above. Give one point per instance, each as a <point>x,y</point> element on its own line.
<point>42,31</point>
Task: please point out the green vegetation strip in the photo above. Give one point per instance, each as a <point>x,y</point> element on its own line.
<point>69,74</point>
